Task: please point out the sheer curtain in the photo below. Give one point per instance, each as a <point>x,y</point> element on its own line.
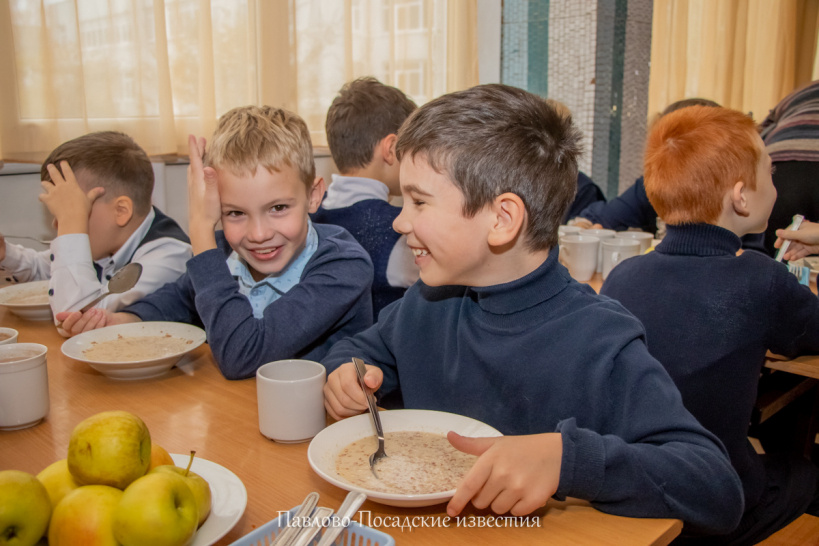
<point>744,54</point>
<point>160,69</point>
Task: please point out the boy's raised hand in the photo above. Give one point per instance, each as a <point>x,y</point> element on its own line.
<point>204,208</point>
<point>343,396</point>
<point>67,201</point>
<point>804,241</point>
<point>516,474</point>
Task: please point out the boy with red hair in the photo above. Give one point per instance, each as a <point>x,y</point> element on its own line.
<point>710,315</point>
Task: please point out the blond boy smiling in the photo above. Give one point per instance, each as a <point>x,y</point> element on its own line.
<point>270,285</point>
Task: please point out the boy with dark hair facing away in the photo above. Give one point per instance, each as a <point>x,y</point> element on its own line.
<point>499,331</point>
<point>361,126</point>
<point>98,188</point>
<point>270,285</point>
<point>710,315</point>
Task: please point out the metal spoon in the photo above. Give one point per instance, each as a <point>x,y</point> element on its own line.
<point>379,432</point>
<point>122,281</point>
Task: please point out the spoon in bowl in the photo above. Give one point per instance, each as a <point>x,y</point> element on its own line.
<point>379,432</point>
<point>122,281</point>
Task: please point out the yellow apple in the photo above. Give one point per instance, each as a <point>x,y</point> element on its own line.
<point>159,457</point>
<point>57,480</point>
<point>157,509</point>
<point>199,487</point>
<point>85,516</point>
<point>24,508</point>
<point>109,448</point>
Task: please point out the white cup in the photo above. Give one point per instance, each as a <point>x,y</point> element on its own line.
<point>291,400</point>
<point>579,254</point>
<point>644,238</point>
<point>568,230</point>
<point>617,249</point>
<point>8,335</point>
<point>23,385</point>
<point>601,234</point>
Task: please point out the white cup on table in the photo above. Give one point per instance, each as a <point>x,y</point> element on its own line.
<point>290,394</point>
<point>568,230</point>
<point>643,237</point>
<point>617,249</point>
<point>601,234</point>
<point>8,335</point>
<point>579,254</point>
<point>23,385</point>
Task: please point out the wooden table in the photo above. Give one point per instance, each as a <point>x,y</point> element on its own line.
<point>218,418</point>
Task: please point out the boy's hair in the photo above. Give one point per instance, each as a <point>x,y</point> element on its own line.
<point>693,156</point>
<point>685,103</point>
<point>364,112</point>
<point>249,136</point>
<point>492,139</point>
<point>114,161</point>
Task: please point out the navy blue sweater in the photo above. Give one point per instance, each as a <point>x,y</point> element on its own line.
<point>546,354</point>
<point>331,301</point>
<point>370,222</point>
<point>710,316</point>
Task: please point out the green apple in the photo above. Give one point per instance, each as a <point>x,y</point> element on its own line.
<point>109,448</point>
<point>57,480</point>
<point>199,487</point>
<point>24,508</point>
<point>85,516</point>
<point>157,509</point>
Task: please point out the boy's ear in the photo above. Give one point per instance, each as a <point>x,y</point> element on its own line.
<point>316,194</point>
<point>386,149</point>
<point>509,215</point>
<point>739,199</point>
<point>123,210</point>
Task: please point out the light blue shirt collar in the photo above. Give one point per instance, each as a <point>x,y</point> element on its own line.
<point>266,291</point>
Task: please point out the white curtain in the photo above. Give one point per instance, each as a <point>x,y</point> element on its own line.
<point>161,69</point>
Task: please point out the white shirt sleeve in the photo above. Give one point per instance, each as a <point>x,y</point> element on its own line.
<point>163,260</point>
<point>73,279</point>
<point>401,268</point>
<point>27,264</point>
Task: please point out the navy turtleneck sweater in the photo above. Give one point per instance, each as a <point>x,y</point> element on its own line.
<point>710,316</point>
<point>546,354</point>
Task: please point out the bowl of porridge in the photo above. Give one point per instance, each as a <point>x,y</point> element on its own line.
<point>28,300</point>
<point>138,350</point>
<point>421,467</point>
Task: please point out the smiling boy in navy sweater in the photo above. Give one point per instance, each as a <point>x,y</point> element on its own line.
<point>710,315</point>
<point>497,330</point>
<point>270,285</point>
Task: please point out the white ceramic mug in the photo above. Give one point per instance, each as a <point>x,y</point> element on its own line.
<point>8,335</point>
<point>23,385</point>
<point>644,238</point>
<point>568,230</point>
<point>291,400</point>
<point>601,234</point>
<point>617,249</point>
<point>579,254</point>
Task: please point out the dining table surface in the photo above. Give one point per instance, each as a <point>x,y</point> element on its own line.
<point>193,407</point>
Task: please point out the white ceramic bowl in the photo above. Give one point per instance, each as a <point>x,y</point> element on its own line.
<point>8,336</point>
<point>135,369</point>
<point>327,444</point>
<point>30,311</point>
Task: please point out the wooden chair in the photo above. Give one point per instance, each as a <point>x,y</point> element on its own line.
<point>777,391</point>
<point>803,531</point>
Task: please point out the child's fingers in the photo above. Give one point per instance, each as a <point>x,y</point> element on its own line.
<point>470,486</point>
<point>54,172</point>
<point>373,378</point>
<point>473,446</point>
<point>95,194</point>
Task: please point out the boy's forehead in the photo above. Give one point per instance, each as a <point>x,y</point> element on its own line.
<point>416,174</point>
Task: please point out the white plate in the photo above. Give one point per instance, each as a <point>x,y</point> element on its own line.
<point>327,444</point>
<point>228,498</point>
<point>30,311</point>
<point>136,369</point>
